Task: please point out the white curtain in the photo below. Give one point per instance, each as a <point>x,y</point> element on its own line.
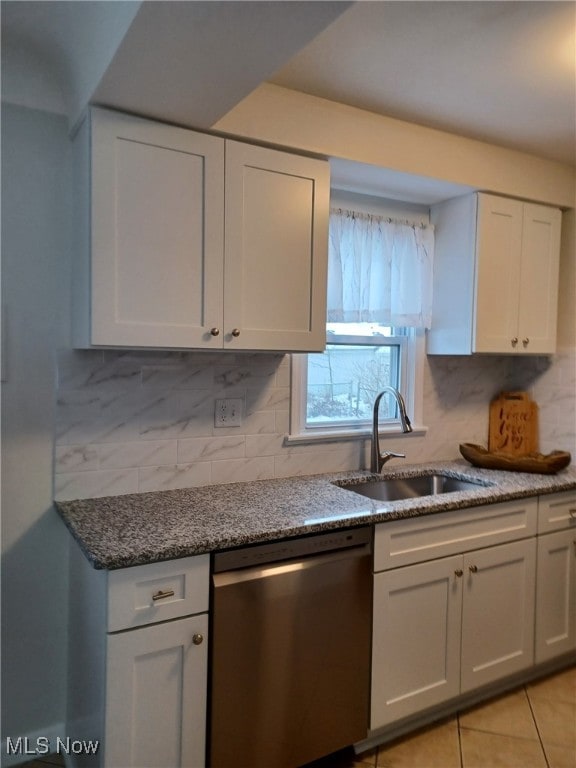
<point>379,270</point>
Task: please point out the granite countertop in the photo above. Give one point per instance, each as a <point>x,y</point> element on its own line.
<point>121,531</point>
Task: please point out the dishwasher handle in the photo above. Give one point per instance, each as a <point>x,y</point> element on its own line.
<point>293,549</point>
<point>302,565</point>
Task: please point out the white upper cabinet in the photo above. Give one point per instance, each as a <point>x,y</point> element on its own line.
<point>152,269</point>
<point>191,241</point>
<point>275,253</point>
<point>495,276</point>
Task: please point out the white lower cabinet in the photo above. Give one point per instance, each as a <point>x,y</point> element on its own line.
<point>416,639</point>
<point>556,583</point>
<point>138,663</point>
<point>156,691</point>
<point>446,626</point>
<point>498,613</point>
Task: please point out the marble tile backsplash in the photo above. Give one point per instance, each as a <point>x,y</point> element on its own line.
<point>144,421</point>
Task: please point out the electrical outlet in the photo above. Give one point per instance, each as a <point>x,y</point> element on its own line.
<point>228,412</point>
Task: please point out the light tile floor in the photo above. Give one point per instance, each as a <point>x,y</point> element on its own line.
<point>531,727</point>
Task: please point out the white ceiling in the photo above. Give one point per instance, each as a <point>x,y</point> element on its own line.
<point>501,71</point>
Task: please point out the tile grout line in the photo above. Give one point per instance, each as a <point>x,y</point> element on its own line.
<point>460,740</point>
<point>537,729</point>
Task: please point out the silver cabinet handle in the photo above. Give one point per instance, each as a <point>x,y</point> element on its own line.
<point>514,341</point>
<point>525,342</point>
<point>473,568</point>
<point>215,331</point>
<point>161,595</point>
<point>236,332</point>
<point>197,639</point>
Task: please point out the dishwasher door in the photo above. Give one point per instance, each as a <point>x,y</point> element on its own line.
<point>291,651</point>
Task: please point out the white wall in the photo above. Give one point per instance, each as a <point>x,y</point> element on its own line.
<point>311,124</point>
<point>36,225</point>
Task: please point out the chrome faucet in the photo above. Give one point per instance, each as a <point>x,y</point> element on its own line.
<point>377,459</point>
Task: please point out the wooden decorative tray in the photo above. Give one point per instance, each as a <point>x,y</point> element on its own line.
<point>547,464</point>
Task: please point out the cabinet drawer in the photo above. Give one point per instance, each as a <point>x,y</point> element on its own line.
<point>146,594</point>
<point>402,542</point>
<point>557,511</point>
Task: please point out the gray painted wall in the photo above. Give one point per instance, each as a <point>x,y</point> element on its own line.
<point>36,231</point>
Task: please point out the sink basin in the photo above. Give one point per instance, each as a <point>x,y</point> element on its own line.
<point>396,488</point>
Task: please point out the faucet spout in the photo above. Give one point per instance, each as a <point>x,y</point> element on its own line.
<point>378,459</point>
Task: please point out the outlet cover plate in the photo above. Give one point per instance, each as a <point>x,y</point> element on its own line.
<point>228,412</point>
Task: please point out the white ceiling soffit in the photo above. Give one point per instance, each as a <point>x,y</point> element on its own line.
<point>55,53</point>
<point>395,185</point>
<point>501,72</point>
<point>191,62</point>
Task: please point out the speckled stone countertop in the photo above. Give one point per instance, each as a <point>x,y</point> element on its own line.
<point>121,531</point>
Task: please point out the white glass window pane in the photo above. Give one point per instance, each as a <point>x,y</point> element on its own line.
<point>344,380</point>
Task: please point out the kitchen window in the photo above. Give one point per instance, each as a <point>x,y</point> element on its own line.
<point>379,302</point>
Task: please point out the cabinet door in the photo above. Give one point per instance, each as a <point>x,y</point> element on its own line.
<point>556,595</point>
<point>416,638</point>
<point>498,257</point>
<point>538,303</point>
<point>276,250</point>
<point>156,695</point>
<point>156,234</point>
<point>498,612</point>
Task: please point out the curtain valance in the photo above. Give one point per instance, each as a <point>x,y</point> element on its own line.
<point>380,270</point>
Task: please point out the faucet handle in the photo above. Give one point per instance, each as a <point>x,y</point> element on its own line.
<point>386,456</point>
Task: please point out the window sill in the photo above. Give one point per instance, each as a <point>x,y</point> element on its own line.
<point>332,436</point>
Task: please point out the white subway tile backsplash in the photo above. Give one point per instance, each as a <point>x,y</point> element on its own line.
<point>85,485</point>
<point>76,458</point>
<point>143,421</point>
<point>211,448</point>
<point>282,422</point>
<point>174,476</point>
<point>141,453</point>
<point>241,470</point>
<point>267,399</point>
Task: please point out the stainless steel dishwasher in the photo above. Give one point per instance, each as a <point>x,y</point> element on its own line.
<point>290,654</point>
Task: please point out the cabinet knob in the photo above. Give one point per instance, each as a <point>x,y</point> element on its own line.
<point>197,639</point>
<point>473,568</point>
<point>215,331</point>
<point>514,341</point>
<point>458,572</point>
<point>572,512</point>
<point>236,332</point>
<point>525,342</point>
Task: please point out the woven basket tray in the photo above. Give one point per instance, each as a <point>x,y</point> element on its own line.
<point>547,464</point>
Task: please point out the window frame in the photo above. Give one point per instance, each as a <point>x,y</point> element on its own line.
<point>411,387</point>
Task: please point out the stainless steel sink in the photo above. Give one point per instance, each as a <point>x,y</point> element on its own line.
<point>396,488</point>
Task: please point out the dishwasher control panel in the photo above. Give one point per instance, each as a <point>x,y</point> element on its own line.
<point>286,549</point>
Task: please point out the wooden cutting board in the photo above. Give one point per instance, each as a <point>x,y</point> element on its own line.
<point>513,425</point>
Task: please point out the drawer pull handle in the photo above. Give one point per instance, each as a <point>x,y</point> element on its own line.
<point>572,512</point>
<point>473,568</point>
<point>197,639</point>
<point>458,572</point>
<point>236,332</point>
<point>525,341</point>
<point>514,341</point>
<point>215,331</point>
<point>160,595</point>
